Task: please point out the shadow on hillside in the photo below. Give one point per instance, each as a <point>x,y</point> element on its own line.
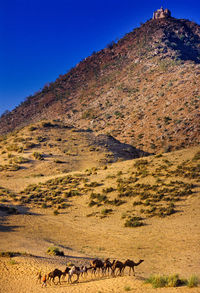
<point>8,228</point>
<point>118,149</point>
<point>12,210</point>
<point>63,259</point>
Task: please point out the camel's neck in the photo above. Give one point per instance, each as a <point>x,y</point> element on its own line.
<point>139,262</point>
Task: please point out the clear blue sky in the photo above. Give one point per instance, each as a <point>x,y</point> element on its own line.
<point>41,39</point>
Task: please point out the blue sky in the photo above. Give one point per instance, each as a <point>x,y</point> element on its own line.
<point>41,39</point>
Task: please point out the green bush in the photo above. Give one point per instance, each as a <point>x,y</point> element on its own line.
<point>56,212</point>
<point>133,222</point>
<point>196,156</point>
<point>38,156</point>
<point>32,128</point>
<point>55,251</point>
<point>193,281</point>
<point>47,124</point>
<point>127,288</point>
<point>105,211</point>
<point>158,281</point>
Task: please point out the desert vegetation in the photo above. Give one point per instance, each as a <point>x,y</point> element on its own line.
<point>172,281</point>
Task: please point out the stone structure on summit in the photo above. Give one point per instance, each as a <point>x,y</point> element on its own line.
<point>162,13</point>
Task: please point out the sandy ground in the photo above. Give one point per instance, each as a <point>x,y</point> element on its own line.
<point>21,278</point>
<point>168,246</point>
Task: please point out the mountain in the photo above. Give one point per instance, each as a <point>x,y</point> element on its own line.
<point>143,90</point>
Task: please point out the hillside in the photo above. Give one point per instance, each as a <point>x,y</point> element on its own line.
<point>51,147</point>
<point>142,90</point>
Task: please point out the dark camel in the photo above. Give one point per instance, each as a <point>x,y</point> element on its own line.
<point>55,273</point>
<point>131,264</point>
<point>107,266</point>
<point>117,265</point>
<point>96,264</point>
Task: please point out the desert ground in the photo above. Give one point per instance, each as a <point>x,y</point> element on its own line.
<point>168,245</point>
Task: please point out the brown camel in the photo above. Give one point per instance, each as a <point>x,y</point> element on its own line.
<point>131,264</point>
<point>107,265</point>
<point>96,264</point>
<point>117,265</point>
<point>55,273</point>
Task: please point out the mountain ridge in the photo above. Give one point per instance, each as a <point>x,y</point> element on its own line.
<point>100,91</point>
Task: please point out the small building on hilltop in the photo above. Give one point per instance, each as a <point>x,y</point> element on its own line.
<point>162,13</point>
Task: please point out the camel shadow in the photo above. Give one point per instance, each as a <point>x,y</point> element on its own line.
<point>8,228</point>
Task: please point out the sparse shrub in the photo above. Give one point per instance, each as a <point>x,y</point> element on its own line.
<point>133,222</point>
<point>193,281</point>
<point>71,193</point>
<point>58,161</point>
<point>140,163</point>
<point>105,212</point>
<point>158,281</point>
<point>38,156</point>
<point>196,156</point>
<point>40,138</point>
<point>116,202</point>
<point>56,212</point>
<point>159,156</point>
<point>44,206</point>
<point>89,114</point>
<point>167,148</point>
<point>173,281</point>
<point>29,145</point>
<point>167,120</point>
<point>93,184</point>
<point>135,203</point>
<point>127,288</point>
<point>119,173</point>
<point>47,124</point>
<point>55,251</point>
<point>12,262</point>
<point>108,189</point>
<point>32,128</point>
<point>118,114</point>
<point>92,203</point>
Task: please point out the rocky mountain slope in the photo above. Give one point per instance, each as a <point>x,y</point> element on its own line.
<point>143,90</point>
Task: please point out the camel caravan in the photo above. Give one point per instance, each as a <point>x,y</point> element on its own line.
<point>97,266</point>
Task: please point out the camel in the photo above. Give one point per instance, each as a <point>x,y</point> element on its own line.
<point>96,264</point>
<point>131,264</point>
<point>55,273</point>
<point>77,271</point>
<point>117,265</point>
<point>84,270</point>
<point>107,265</point>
